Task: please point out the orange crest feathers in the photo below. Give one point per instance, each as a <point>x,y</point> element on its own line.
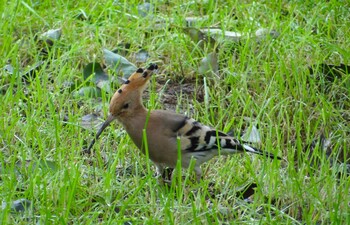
<point>138,80</point>
<point>129,94</point>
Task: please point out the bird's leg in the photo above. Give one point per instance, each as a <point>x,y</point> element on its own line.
<point>159,170</point>
<point>173,175</point>
<point>198,172</point>
<point>162,174</point>
<point>194,164</point>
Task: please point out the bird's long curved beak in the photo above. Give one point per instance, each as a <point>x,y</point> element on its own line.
<point>108,121</point>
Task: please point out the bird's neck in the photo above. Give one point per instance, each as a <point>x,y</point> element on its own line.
<point>137,115</point>
<point>135,123</point>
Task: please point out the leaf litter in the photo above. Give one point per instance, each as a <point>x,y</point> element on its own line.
<point>118,63</point>
<point>209,63</point>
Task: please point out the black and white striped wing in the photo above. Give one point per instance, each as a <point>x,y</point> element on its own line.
<point>200,139</point>
<point>196,137</point>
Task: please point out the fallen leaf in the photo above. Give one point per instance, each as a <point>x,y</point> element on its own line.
<point>42,164</point>
<point>91,121</point>
<point>32,71</point>
<point>90,92</point>
<point>263,33</point>
<point>19,205</point>
<point>209,64</point>
<point>322,148</point>
<point>145,9</point>
<point>9,68</point>
<point>192,21</point>
<point>332,81</point>
<point>251,135</point>
<point>246,191</point>
<point>201,38</point>
<point>237,36</point>
<point>81,15</point>
<point>119,63</point>
<point>54,34</point>
<point>142,56</point>
<point>46,40</point>
<point>122,49</point>
<point>95,70</point>
<point>344,168</point>
<point>99,77</point>
<point>234,36</point>
<point>328,71</point>
<point>47,165</point>
<point>69,85</point>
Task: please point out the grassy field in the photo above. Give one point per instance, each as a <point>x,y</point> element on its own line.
<point>273,77</point>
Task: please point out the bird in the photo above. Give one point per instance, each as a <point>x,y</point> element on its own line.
<point>167,132</point>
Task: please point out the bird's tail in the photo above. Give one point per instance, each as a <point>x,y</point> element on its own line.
<point>259,152</point>
<point>231,145</point>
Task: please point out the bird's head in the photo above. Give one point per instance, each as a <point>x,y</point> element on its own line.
<point>128,97</point>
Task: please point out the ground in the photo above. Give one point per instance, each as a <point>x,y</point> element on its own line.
<point>277,67</point>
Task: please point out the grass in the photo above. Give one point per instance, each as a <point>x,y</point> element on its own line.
<point>267,81</point>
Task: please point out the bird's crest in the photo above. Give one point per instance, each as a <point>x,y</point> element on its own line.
<point>130,91</point>
<point>138,80</point>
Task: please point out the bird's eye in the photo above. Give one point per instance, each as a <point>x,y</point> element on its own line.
<point>126,105</point>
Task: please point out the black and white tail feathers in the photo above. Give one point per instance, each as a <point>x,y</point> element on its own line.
<point>198,138</point>
<point>259,152</point>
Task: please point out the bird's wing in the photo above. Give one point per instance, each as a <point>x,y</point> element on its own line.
<point>196,137</point>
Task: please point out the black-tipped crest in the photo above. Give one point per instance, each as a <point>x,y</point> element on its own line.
<point>139,70</point>
<point>153,66</point>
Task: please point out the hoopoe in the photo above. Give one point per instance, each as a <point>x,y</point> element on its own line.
<point>167,131</point>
